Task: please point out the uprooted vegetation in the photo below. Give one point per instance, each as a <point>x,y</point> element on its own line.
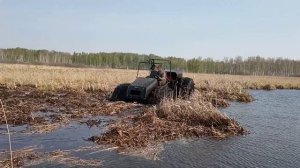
<point>26,104</point>
<point>30,157</point>
<point>168,121</point>
<point>46,111</point>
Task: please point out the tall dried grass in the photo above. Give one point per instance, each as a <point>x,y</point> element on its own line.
<point>49,77</point>
<point>247,82</point>
<point>195,111</point>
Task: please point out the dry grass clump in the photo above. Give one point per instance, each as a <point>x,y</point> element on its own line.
<point>146,129</point>
<point>64,157</point>
<point>219,92</point>
<point>193,112</point>
<point>20,157</point>
<point>270,87</point>
<point>30,157</point>
<point>170,120</point>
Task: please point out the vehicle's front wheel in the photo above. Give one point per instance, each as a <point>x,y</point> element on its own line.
<point>120,92</point>
<point>187,87</point>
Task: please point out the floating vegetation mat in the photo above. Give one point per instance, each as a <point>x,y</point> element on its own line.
<point>29,156</point>
<point>170,120</point>
<point>46,111</point>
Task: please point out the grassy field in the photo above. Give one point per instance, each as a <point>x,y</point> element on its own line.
<point>49,77</point>
<point>249,82</point>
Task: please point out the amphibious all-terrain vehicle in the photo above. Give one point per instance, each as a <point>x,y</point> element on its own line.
<point>152,88</point>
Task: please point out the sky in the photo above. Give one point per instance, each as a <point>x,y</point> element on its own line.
<point>181,28</point>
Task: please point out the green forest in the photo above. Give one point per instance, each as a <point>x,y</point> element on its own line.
<point>254,65</point>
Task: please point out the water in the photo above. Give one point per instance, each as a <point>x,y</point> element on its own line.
<point>273,120</point>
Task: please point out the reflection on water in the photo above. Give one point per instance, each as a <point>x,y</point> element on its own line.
<point>274,140</point>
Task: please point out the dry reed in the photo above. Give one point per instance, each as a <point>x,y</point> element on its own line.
<point>170,120</point>
<point>8,132</point>
<point>30,156</point>
<point>47,110</point>
<point>48,77</point>
<point>247,81</point>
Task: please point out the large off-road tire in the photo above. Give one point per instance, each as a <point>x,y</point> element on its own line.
<point>187,87</point>
<point>159,94</point>
<point>120,92</point>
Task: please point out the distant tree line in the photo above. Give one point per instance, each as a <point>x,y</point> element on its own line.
<point>254,65</point>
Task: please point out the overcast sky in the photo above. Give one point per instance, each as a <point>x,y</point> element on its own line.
<point>183,28</point>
